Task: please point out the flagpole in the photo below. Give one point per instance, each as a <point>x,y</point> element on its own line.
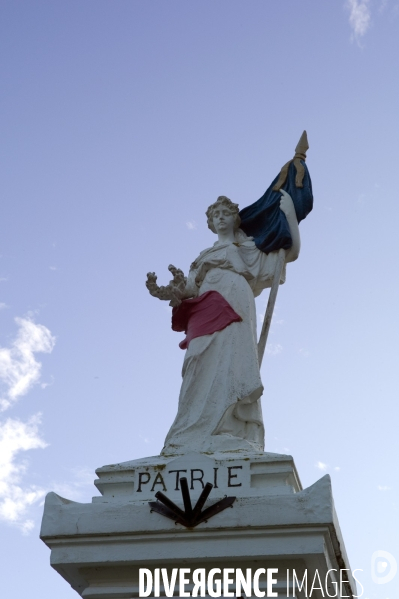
<point>270,305</point>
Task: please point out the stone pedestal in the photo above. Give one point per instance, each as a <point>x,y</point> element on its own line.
<point>99,547</point>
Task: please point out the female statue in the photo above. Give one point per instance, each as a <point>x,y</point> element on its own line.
<point>219,404</point>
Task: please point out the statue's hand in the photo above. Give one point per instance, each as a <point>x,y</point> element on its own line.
<point>176,285</point>
<point>151,284</point>
<point>287,205</point>
<point>173,292</point>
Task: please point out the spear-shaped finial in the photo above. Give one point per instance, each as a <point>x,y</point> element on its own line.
<point>300,154</point>
<point>302,145</point>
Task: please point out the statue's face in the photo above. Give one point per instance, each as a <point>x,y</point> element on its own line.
<point>223,219</point>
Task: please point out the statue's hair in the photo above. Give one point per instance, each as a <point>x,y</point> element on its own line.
<point>230,205</point>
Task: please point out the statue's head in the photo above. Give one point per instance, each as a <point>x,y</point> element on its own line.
<point>223,203</point>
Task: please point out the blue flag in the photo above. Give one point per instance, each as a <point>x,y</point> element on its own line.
<point>265,222</point>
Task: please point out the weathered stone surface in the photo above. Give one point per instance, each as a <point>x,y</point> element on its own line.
<point>99,547</point>
<point>219,405</point>
<point>247,475</point>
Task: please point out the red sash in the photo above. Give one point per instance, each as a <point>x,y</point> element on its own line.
<point>202,315</point>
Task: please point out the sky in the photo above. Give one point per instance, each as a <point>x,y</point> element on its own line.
<point>120,123</point>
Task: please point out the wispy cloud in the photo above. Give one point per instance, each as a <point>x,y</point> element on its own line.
<point>359,17</point>
<point>15,498</point>
<point>393,7</point>
<point>383,488</point>
<point>44,385</point>
<point>273,349</point>
<point>16,437</point>
<point>191,224</point>
<point>19,369</point>
<point>321,465</point>
<point>3,306</point>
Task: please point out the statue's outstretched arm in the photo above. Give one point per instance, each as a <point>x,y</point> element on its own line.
<point>287,206</point>
<point>175,291</point>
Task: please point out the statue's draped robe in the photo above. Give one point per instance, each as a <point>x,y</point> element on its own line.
<point>219,403</point>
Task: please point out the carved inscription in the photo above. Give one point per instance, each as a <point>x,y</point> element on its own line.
<point>158,481</point>
<point>144,478</point>
<point>197,474</point>
<point>177,477</point>
<point>231,476</point>
<point>168,480</point>
<point>215,478</point>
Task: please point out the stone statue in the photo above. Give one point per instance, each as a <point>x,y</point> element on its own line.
<point>219,404</point>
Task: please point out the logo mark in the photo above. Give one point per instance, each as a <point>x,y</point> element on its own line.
<point>380,560</point>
